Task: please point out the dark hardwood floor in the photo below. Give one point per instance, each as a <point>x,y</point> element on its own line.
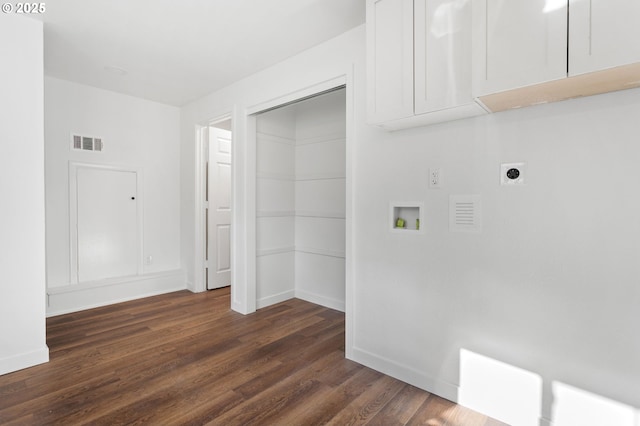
<point>184,358</point>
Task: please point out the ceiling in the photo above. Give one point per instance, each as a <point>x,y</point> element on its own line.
<point>177,51</point>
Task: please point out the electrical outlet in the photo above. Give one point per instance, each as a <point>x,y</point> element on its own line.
<point>435,178</point>
<point>148,260</point>
<point>512,173</point>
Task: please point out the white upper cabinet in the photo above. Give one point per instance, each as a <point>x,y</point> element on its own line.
<point>419,62</point>
<point>518,43</point>
<point>528,52</point>
<point>389,59</point>
<point>442,54</point>
<point>603,34</point>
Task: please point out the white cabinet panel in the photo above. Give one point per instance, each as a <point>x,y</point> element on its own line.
<point>442,54</point>
<point>419,62</point>
<point>389,59</point>
<point>603,34</point>
<point>107,223</point>
<point>518,43</point>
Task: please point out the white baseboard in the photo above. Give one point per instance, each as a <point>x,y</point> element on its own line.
<point>406,374</point>
<point>24,360</point>
<point>413,377</point>
<point>318,299</point>
<point>275,298</point>
<point>78,297</point>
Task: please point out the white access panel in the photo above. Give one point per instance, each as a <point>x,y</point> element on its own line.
<point>107,223</point>
<point>603,34</point>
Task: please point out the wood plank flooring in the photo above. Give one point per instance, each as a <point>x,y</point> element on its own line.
<point>184,358</point>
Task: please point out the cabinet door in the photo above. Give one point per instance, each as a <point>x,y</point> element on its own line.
<point>389,60</point>
<point>603,34</point>
<point>518,43</point>
<point>442,54</point>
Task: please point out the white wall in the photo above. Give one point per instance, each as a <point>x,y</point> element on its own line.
<point>136,133</point>
<point>320,156</point>
<point>549,286</point>
<point>275,204</point>
<point>22,241</point>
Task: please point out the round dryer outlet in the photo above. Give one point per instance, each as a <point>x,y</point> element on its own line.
<point>512,173</point>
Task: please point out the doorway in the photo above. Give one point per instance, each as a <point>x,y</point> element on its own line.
<point>218,210</point>
<point>301,201</point>
<point>243,229</point>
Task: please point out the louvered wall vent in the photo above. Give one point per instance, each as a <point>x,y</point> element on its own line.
<point>86,143</point>
<point>465,213</point>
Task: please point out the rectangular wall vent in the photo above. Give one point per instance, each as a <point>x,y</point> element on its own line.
<point>86,143</point>
<point>465,213</point>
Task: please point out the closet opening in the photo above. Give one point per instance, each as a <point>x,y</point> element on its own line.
<point>301,200</point>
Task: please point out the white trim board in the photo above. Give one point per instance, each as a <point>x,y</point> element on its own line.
<point>276,250</point>
<point>299,95</point>
<point>321,252</point>
<point>78,297</point>
<point>319,214</point>
<point>24,360</point>
<point>327,302</point>
<point>321,139</point>
<point>273,299</point>
<point>268,137</point>
<point>319,176</point>
<point>275,176</point>
<point>405,373</point>
<point>284,213</point>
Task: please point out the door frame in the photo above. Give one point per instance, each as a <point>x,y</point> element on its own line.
<point>246,300</point>
<point>243,235</point>
<point>74,166</point>
<point>202,156</point>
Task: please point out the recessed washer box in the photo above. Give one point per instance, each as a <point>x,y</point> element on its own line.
<point>406,217</point>
<point>513,173</point>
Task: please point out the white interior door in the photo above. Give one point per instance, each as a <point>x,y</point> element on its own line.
<point>107,223</point>
<point>219,210</point>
